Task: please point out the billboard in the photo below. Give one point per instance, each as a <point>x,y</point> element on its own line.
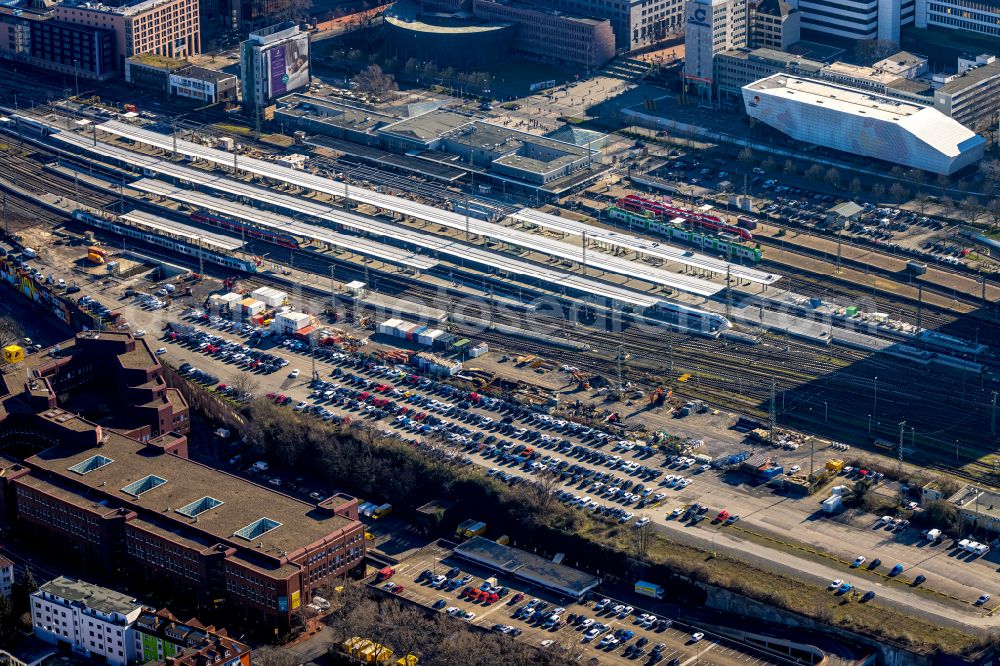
<point>288,66</point>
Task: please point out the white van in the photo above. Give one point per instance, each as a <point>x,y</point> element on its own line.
<point>29,253</point>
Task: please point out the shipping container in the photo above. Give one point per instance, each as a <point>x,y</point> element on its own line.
<point>833,503</point>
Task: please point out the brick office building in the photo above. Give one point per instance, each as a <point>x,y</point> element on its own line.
<point>120,498</point>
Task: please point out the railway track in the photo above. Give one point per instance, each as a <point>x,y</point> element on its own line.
<point>729,375</point>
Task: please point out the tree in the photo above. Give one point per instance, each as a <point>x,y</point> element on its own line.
<point>768,164</point>
<point>8,622</point>
<point>293,10</point>
<point>855,186</point>
<point>943,181</point>
<point>871,50</point>
<point>993,210</point>
<point>366,19</point>
<point>814,171</point>
<point>641,538</point>
<point>790,167</point>
<point>374,81</point>
<point>746,156</point>
<point>972,208</point>
<point>898,192</point>
<point>28,584</point>
<point>878,191</point>
<point>942,514</point>
<point>272,656</point>
<point>916,176</point>
<point>832,177</point>
<point>11,331</point>
<point>897,173</point>
<point>244,386</point>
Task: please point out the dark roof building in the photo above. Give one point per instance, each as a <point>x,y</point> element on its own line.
<point>527,567</point>
<point>122,495</point>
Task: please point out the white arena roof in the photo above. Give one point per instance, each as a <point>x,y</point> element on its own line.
<point>642,245</point>
<point>401,206</point>
<point>863,123</point>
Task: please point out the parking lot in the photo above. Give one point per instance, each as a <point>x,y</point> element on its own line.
<point>771,515</point>
<point>580,626</point>
<point>621,480</point>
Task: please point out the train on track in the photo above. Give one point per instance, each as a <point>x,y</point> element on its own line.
<point>688,319</point>
<point>114,224</point>
<point>283,240</point>
<point>704,241</point>
<point>664,212</point>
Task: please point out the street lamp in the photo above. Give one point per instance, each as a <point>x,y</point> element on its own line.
<point>76,76</point>
<point>875,400</point>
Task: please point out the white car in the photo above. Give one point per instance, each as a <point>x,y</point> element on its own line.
<point>642,521</point>
<point>697,636</point>
<point>294,373</point>
<point>835,584</point>
<point>794,469</point>
<point>299,407</point>
<point>139,333</point>
<point>858,561</point>
<point>161,351</point>
<point>659,496</point>
<point>676,513</point>
<point>684,483</point>
<point>591,635</point>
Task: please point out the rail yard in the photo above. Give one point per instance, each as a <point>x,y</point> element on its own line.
<point>645,338</point>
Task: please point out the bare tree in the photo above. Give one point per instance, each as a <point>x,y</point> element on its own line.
<point>11,331</point>
<point>943,181</point>
<point>746,155</point>
<point>878,191</point>
<point>898,192</point>
<point>641,539</point>
<point>855,187</point>
<point>869,51</point>
<point>244,386</point>
<point>814,171</point>
<point>293,10</point>
<point>832,177</point>
<point>768,164</point>
<point>374,81</point>
<point>972,208</point>
<point>790,168</point>
<point>272,656</point>
<point>993,210</point>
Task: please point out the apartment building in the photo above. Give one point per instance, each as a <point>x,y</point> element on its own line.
<point>90,619</point>
<point>161,639</point>
<point>165,27</point>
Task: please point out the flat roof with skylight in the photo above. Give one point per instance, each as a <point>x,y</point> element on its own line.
<point>90,464</point>
<point>172,489</point>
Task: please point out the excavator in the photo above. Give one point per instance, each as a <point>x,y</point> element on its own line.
<point>658,396</point>
<point>582,379</point>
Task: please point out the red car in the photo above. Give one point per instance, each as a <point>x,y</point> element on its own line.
<point>516,599</point>
<point>421,416</point>
<point>466,592</point>
<point>271,396</point>
<point>364,396</point>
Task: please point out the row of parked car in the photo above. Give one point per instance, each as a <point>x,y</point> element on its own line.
<point>235,353</point>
